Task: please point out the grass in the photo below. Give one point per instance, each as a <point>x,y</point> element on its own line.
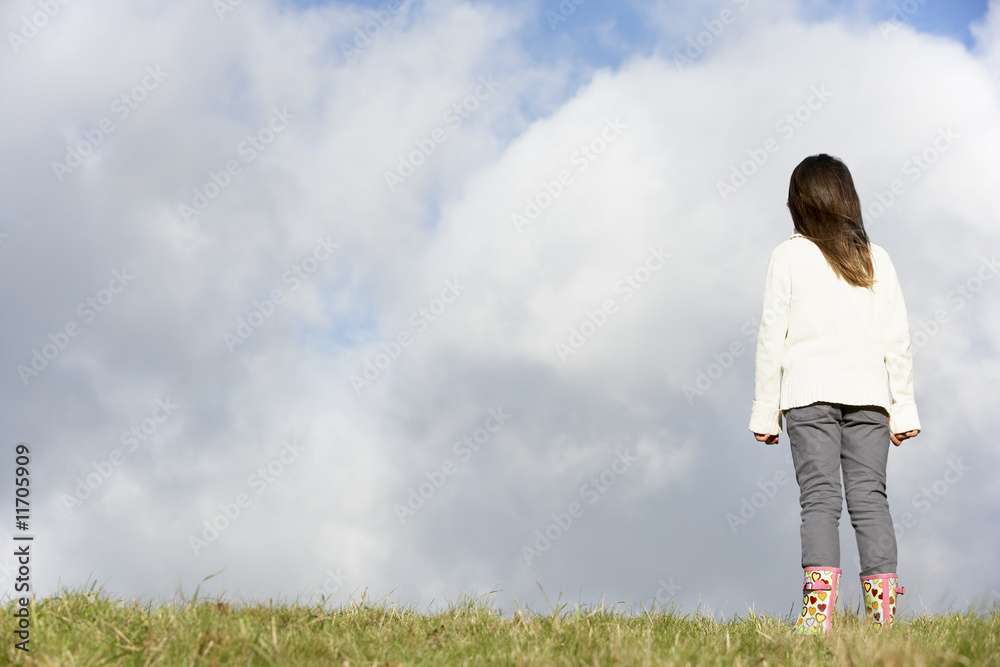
<point>90,627</point>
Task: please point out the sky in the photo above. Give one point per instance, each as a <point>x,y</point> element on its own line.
<point>421,301</point>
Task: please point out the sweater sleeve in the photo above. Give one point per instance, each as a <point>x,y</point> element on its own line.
<point>765,417</point>
<point>898,356</point>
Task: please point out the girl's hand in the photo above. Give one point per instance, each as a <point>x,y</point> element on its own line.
<point>898,438</point>
<point>766,438</point>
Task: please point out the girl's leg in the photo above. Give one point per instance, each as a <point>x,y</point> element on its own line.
<point>814,432</point>
<point>863,456</point>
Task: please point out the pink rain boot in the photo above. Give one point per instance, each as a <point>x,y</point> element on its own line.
<point>819,597</point>
<point>880,597</point>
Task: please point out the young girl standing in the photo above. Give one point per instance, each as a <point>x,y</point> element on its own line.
<point>833,360</point>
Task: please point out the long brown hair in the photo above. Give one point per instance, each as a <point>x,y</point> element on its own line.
<point>826,210</point>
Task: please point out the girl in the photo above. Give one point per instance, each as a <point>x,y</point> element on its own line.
<point>833,344</point>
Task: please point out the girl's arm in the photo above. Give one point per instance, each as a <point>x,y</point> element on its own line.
<point>765,417</point>
<point>903,417</point>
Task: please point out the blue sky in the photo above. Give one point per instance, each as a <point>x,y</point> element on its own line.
<point>399,265</point>
<point>948,19</point>
<point>627,20</point>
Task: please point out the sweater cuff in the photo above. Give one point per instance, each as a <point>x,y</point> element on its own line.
<point>765,419</point>
<point>903,418</point>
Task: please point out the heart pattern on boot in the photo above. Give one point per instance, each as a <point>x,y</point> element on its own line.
<point>880,598</point>
<point>818,605</point>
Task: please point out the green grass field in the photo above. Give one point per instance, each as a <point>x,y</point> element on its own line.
<point>90,627</point>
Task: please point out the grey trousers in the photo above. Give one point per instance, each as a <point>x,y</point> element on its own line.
<point>827,439</point>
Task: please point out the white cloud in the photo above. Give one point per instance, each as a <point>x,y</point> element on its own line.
<point>987,34</point>
<point>661,139</point>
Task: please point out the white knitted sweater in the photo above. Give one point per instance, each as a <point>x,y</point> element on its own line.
<point>822,339</point>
